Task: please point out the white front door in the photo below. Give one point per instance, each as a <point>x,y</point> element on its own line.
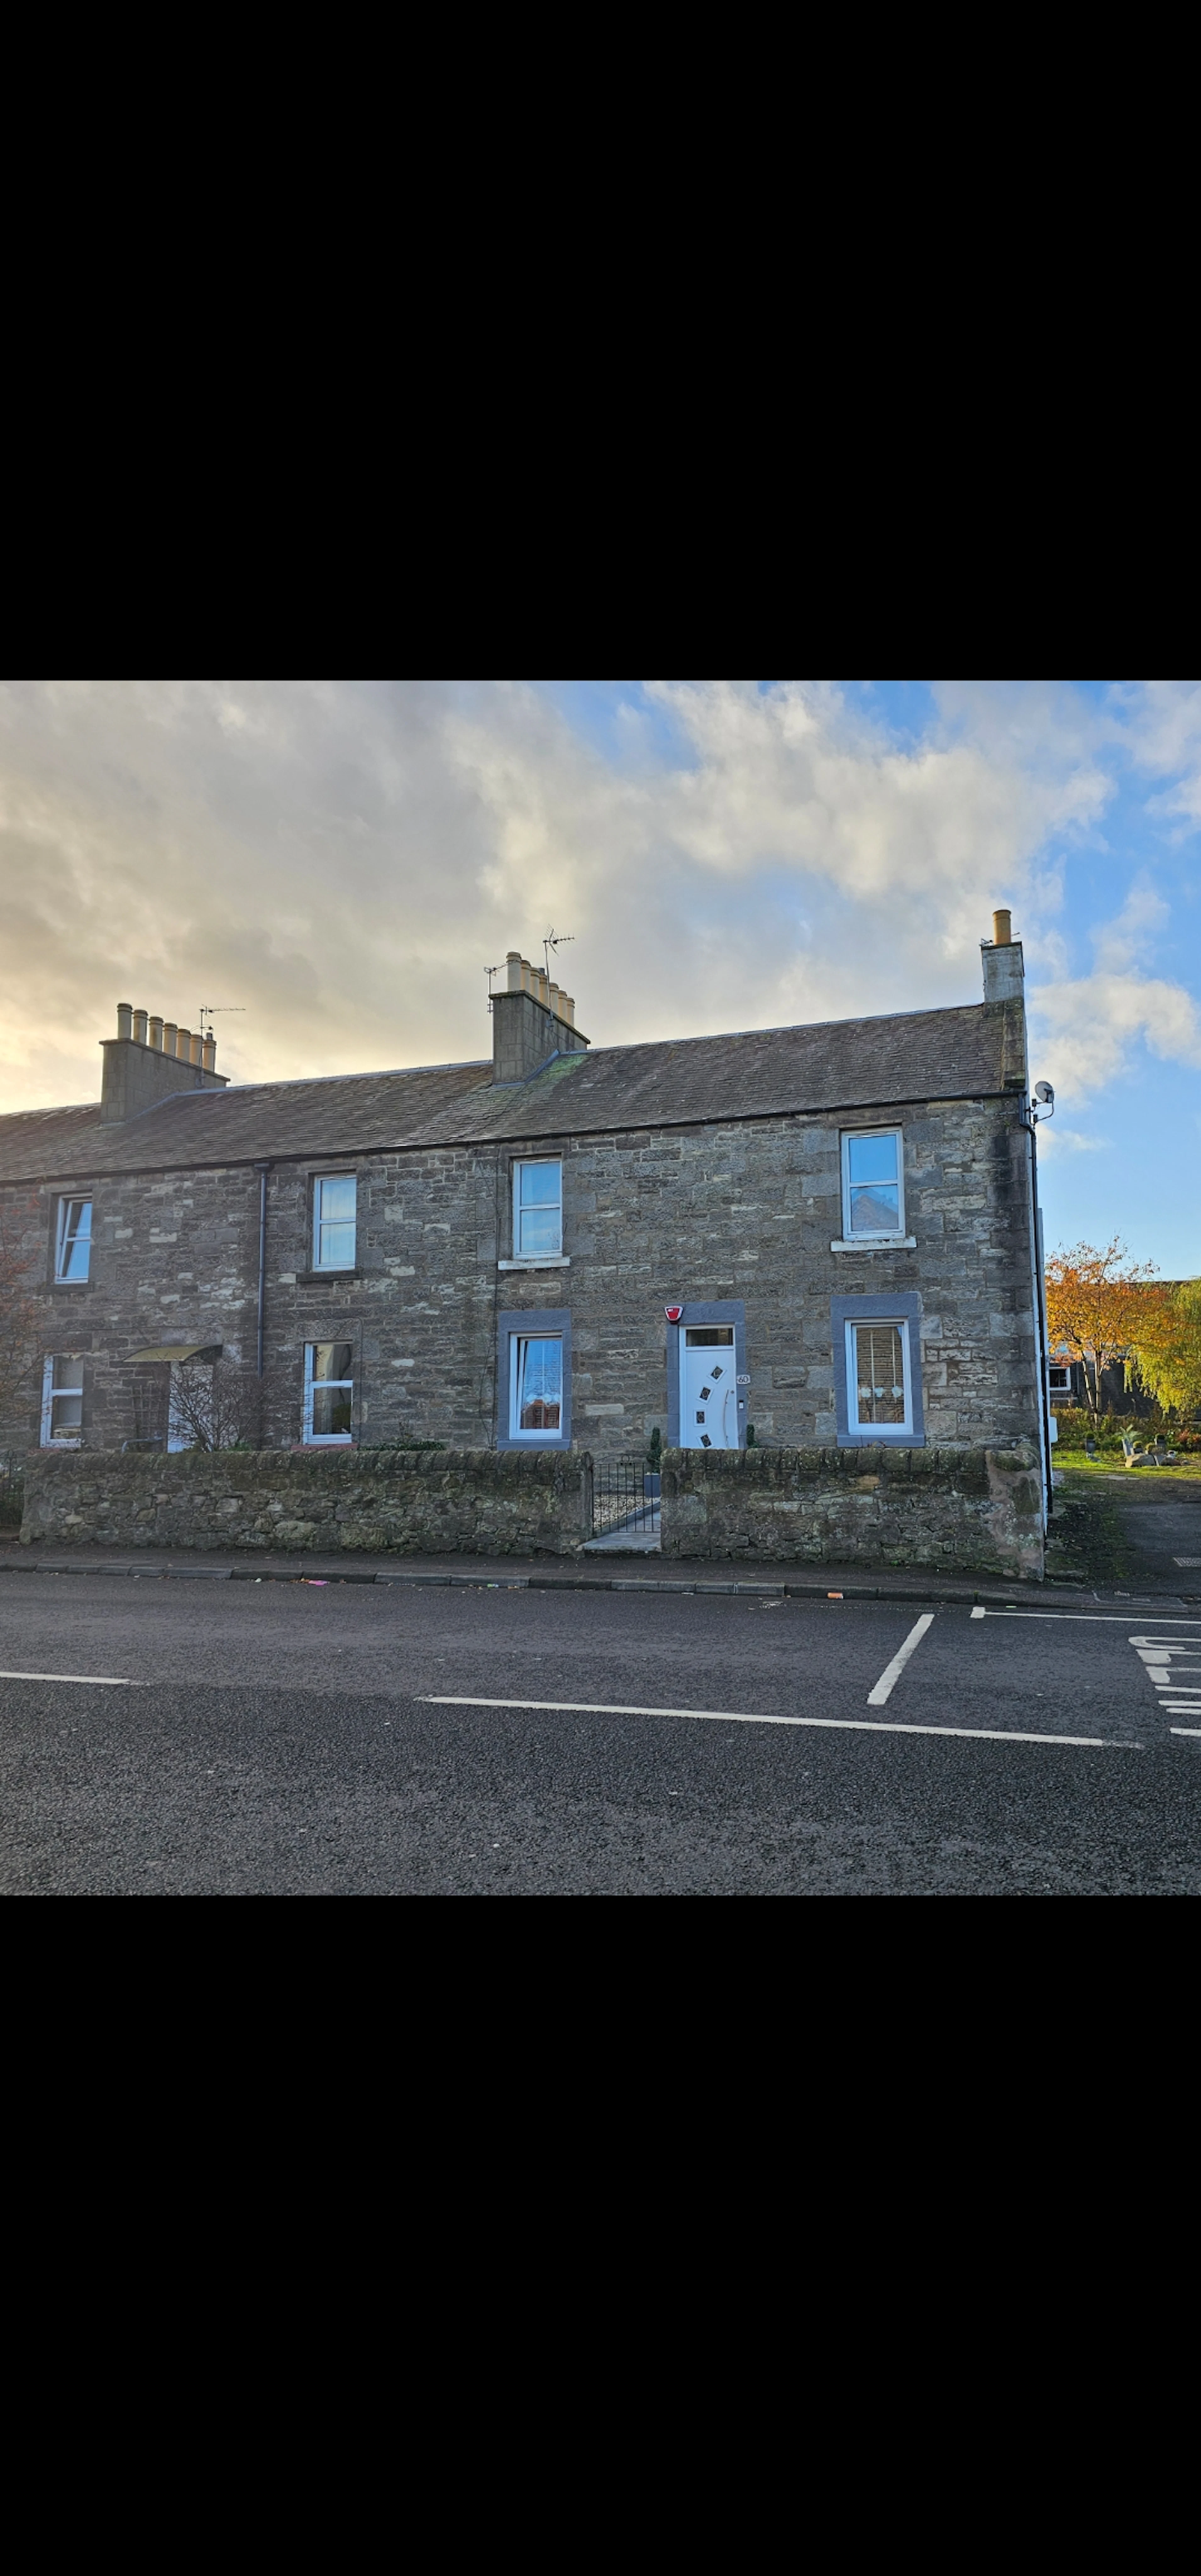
<point>708,1387</point>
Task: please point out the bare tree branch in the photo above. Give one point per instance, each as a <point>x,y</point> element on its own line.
<point>213,1406</point>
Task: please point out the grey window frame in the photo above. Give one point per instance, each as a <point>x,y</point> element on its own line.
<point>721,1310</point>
<point>905,1307</point>
<point>522,1320</point>
<point>849,1136</point>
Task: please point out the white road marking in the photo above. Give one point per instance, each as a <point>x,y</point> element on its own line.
<point>979,1614</point>
<point>1160,1658</point>
<point>743,1717</point>
<point>110,1681</point>
<point>892,1672</point>
<point>1094,1618</point>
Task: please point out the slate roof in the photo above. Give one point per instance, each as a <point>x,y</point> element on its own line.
<point>830,1065</point>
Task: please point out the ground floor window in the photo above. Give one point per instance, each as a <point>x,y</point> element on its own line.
<point>62,1401</point>
<point>536,1390</point>
<point>877,1369</point>
<point>879,1386</point>
<point>533,1378</point>
<point>328,1393</point>
<point>1060,1381</point>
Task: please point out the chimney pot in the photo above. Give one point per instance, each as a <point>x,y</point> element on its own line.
<point>513,971</point>
<point>156,1030</point>
<point>183,1044</point>
<point>170,1034</point>
<point>139,1028</point>
<point>197,1043</point>
<point>552,994</point>
<point>210,1052</point>
<point>567,1009</point>
<point>1001,930</point>
<point>125,1019</point>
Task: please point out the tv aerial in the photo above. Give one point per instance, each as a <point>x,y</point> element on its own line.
<point>556,939</point>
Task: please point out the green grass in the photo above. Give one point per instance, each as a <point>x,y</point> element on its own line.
<point>1112,1463</point>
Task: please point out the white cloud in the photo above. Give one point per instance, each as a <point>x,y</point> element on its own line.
<point>1083,1032</point>
<point>1052,1138</point>
<point>345,859</point>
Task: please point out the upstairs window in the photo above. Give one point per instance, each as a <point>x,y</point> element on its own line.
<point>537,1210</point>
<point>328,1393</point>
<point>73,1248</point>
<point>873,1185</point>
<point>334,1221</point>
<point>62,1402</point>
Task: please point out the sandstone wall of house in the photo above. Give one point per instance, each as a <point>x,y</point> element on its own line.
<point>651,1217</point>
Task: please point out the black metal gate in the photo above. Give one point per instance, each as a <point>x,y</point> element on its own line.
<point>625,1496</point>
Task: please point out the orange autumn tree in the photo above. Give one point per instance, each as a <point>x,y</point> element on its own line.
<point>1098,1307</point>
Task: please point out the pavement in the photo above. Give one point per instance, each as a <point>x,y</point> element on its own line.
<point>1160,1520</point>
<point>549,1731</point>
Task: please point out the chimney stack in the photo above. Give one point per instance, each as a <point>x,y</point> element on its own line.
<point>149,1058</point>
<point>532,1020</point>
<point>1005,981</point>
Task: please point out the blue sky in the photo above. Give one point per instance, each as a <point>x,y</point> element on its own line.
<point>344,859</point>
<point>1126,1154</point>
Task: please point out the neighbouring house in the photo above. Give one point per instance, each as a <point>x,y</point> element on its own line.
<point>813,1237</point>
<point>1068,1383</point>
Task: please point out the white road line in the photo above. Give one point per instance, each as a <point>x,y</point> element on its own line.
<point>743,1717</point>
<point>1093,1618</point>
<point>1186,1730</point>
<point>892,1672</point>
<point>109,1681</point>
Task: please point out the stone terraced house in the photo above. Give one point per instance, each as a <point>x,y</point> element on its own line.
<point>812,1237</point>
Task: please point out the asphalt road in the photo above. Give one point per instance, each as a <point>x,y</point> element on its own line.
<point>299,1739</point>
